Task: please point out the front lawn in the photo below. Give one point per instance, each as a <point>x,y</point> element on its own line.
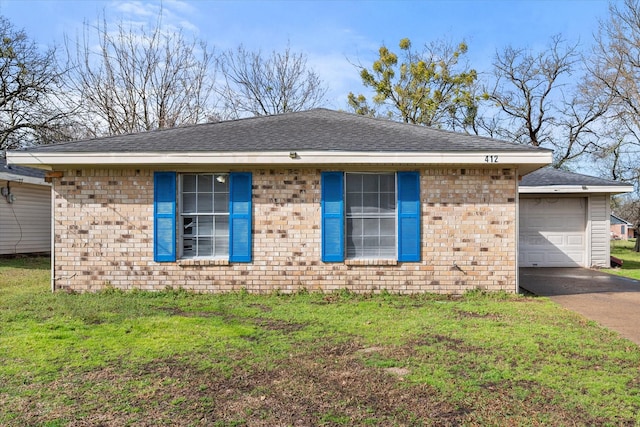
<point>176,358</point>
<point>623,249</point>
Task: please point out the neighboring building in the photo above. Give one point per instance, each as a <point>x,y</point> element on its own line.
<point>321,200</point>
<point>621,229</point>
<point>564,219</point>
<point>25,210</point>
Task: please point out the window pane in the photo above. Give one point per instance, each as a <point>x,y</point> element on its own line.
<point>222,226</point>
<point>205,246</point>
<point>370,203</point>
<point>222,246</point>
<point>205,202</point>
<point>354,237</point>
<point>387,203</point>
<point>387,183</point>
<point>188,225</point>
<point>354,183</point>
<point>221,203</point>
<point>355,249</point>
<point>370,242</point>
<point>221,184</point>
<point>388,227</point>
<point>189,203</point>
<point>387,251</point>
<point>188,250</point>
<point>354,227</point>
<point>205,183</point>
<point>370,183</point>
<point>388,243</point>
<point>205,226</point>
<point>371,226</point>
<point>188,228</point>
<point>367,252</point>
<point>188,183</point>
<point>354,203</point>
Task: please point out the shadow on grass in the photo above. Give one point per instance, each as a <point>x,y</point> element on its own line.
<point>38,261</point>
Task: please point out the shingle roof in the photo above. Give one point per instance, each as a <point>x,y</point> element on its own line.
<point>19,170</point>
<point>549,176</point>
<point>617,220</point>
<point>313,130</point>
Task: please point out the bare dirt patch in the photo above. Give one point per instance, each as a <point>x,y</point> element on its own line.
<point>462,314</point>
<point>329,386</point>
<point>264,323</point>
<point>278,325</point>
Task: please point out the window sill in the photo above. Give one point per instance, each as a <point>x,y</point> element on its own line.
<point>371,262</point>
<point>190,262</point>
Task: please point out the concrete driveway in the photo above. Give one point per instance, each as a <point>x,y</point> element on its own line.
<point>612,301</point>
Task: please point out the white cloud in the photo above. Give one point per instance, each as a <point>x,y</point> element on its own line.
<point>174,14</point>
<point>136,8</point>
<point>339,74</point>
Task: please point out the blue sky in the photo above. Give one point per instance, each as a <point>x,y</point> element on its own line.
<point>333,34</point>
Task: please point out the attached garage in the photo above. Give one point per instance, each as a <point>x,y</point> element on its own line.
<point>564,219</point>
<point>553,232</point>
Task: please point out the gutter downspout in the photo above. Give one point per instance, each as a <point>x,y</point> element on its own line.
<point>53,233</point>
<point>517,236</point>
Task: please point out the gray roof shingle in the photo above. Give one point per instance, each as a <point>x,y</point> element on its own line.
<point>549,176</point>
<point>617,220</point>
<point>313,130</point>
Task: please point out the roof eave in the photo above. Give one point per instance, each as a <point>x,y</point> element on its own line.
<point>526,161</point>
<point>622,221</point>
<point>573,189</point>
<point>11,177</point>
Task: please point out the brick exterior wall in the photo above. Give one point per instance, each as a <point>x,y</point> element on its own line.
<point>104,237</point>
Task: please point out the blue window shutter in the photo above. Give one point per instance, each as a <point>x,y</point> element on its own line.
<point>164,216</point>
<point>408,216</point>
<point>332,211</point>
<point>240,217</point>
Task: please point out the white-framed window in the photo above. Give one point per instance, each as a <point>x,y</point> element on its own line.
<point>204,215</point>
<point>370,215</point>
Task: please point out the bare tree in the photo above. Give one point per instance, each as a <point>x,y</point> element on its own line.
<point>615,69</point>
<point>259,85</point>
<point>140,79</point>
<point>31,109</point>
<point>537,106</point>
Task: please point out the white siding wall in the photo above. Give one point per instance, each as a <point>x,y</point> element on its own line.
<point>25,224</point>
<point>599,212</point>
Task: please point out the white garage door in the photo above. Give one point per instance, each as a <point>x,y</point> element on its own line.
<point>552,232</point>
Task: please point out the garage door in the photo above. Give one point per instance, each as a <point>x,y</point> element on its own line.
<point>552,232</point>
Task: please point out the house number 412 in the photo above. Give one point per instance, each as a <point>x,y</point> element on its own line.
<point>491,159</point>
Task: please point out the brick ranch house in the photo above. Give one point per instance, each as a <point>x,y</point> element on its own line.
<point>621,229</point>
<point>321,200</point>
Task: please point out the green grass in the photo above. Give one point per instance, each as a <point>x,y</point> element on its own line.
<point>177,358</point>
<point>623,249</point>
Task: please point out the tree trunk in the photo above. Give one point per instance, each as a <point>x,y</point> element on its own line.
<point>636,248</point>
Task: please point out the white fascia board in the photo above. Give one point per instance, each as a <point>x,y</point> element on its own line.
<point>22,179</point>
<point>573,189</point>
<point>46,160</point>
